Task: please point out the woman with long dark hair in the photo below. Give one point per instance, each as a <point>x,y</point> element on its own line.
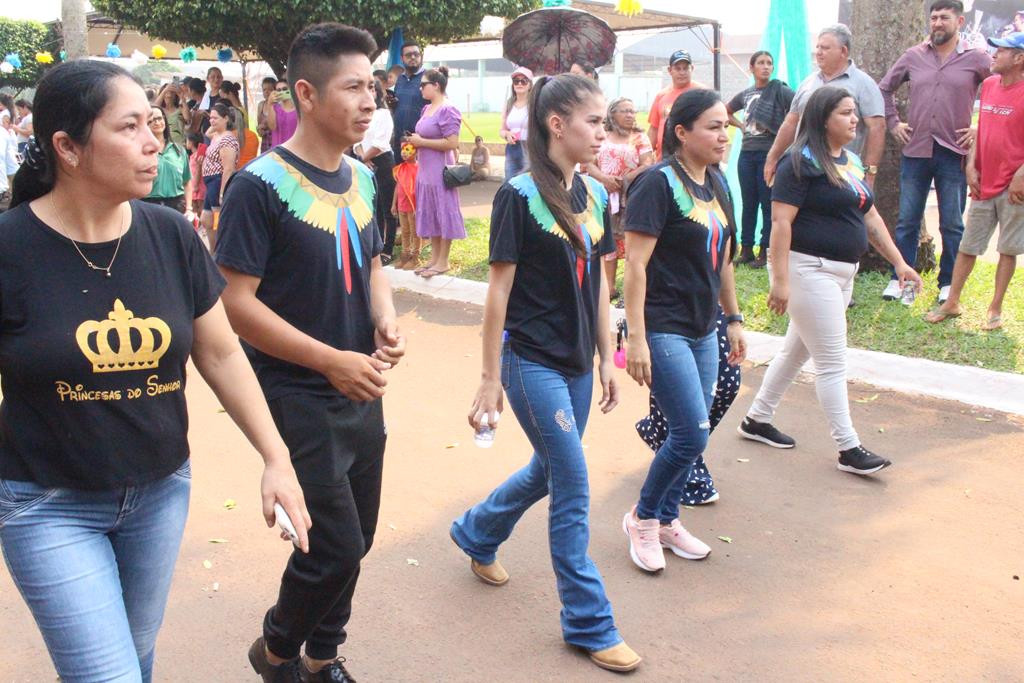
<point>515,122</point>
<point>375,152</point>
<point>105,298</point>
<point>438,214</point>
<point>823,217</point>
<point>546,311</point>
<point>173,185</point>
<point>766,104</point>
<point>680,239</point>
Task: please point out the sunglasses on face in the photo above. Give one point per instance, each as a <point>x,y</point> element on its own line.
<point>156,119</point>
<point>520,81</point>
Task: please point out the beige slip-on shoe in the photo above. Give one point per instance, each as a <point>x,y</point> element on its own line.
<point>620,658</point>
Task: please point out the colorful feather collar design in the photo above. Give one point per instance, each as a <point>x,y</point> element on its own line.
<point>707,213</point>
<point>852,172</point>
<point>590,220</point>
<point>343,215</point>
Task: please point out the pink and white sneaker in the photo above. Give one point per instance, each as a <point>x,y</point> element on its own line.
<point>676,538</point>
<point>644,543</point>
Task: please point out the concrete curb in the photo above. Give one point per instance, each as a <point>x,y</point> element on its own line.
<point>1002,391</point>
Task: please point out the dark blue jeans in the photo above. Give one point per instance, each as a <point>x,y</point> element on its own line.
<point>552,409</point>
<point>683,372</point>
<point>515,159</point>
<point>946,168</point>
<point>756,195</point>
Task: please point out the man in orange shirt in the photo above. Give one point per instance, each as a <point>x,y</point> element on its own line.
<point>680,68</point>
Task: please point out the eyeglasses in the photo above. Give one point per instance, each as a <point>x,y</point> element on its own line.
<point>630,112</point>
<point>520,81</point>
<point>414,53</point>
<point>155,119</point>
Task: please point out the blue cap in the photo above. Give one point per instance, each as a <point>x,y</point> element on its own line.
<point>679,56</point>
<point>1013,40</point>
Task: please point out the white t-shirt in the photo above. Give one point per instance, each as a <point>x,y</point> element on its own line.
<point>8,153</point>
<point>21,124</point>
<point>518,121</point>
<point>378,135</point>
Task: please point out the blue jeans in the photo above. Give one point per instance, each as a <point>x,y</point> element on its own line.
<point>515,159</point>
<point>552,409</point>
<point>683,372</point>
<point>756,195</point>
<point>946,168</point>
<point>95,568</point>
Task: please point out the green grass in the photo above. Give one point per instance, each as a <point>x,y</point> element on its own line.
<point>487,124</point>
<point>874,324</point>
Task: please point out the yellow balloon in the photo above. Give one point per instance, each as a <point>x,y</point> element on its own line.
<point>44,58</point>
<point>158,51</point>
<point>629,8</point>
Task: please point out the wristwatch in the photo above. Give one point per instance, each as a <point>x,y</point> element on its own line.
<point>872,169</point>
<point>734,318</point>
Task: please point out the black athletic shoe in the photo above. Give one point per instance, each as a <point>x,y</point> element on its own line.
<point>283,673</point>
<point>335,672</point>
<point>765,432</point>
<point>860,460</point>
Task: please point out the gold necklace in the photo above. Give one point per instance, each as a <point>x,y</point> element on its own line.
<point>64,232</point>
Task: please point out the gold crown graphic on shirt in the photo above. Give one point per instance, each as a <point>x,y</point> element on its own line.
<point>123,342</point>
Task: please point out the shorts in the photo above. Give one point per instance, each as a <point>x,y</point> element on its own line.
<point>982,219</point>
<point>212,199</point>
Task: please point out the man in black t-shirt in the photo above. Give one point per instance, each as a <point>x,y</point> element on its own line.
<point>307,294</point>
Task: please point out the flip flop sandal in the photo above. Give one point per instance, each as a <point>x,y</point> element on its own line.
<point>431,272</point>
<point>994,323</point>
<point>938,316</point>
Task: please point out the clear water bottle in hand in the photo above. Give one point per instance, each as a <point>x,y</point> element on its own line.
<point>484,436</point>
<point>909,293</point>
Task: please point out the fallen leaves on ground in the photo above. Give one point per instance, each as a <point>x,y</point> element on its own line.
<point>726,539</point>
<point>412,563</point>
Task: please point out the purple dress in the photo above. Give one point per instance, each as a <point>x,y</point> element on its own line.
<point>437,207</point>
<point>287,122</point>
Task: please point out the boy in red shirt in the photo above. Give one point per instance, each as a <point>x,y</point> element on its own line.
<point>995,175</point>
<point>404,206</point>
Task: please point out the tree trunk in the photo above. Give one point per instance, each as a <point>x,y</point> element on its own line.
<point>882,31</point>
<point>72,19</point>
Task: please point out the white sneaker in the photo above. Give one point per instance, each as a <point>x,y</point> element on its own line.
<point>943,294</point>
<point>892,291</point>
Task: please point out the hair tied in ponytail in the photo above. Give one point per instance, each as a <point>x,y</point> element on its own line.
<point>35,158</point>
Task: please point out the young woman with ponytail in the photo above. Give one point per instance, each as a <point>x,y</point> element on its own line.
<point>546,311</point>
<point>94,463</point>
<point>680,241</point>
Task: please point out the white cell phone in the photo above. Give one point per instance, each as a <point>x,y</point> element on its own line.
<point>285,522</point>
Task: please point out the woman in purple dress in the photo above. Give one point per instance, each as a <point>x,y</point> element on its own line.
<point>436,139</point>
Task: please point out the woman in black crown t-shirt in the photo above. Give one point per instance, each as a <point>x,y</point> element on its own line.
<point>102,301</point>
<point>823,217</point>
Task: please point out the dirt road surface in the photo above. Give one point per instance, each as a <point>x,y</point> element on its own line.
<point>910,575</point>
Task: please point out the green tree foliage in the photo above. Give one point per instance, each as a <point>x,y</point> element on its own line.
<point>267,28</point>
<point>26,38</point>
<point>154,71</point>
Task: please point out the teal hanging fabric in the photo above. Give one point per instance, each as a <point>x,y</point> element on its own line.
<point>395,48</point>
<point>786,37</point>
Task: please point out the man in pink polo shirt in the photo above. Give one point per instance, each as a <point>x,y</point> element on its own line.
<point>995,175</point>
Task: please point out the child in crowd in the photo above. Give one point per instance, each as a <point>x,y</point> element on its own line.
<point>196,151</point>
<point>480,161</point>
<point>404,206</point>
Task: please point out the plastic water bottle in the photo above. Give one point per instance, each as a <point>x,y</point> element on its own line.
<point>484,436</point>
<point>909,292</point>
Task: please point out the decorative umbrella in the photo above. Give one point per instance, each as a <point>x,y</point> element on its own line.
<point>550,39</point>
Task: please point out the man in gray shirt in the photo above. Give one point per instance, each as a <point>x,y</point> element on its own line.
<point>835,68</point>
<point>944,76</point>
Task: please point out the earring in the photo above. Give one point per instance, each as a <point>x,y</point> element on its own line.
<point>558,135</point>
<point>73,161</point>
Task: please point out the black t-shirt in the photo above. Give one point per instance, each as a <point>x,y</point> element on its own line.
<point>830,222</point>
<point>755,137</point>
<point>552,309</point>
<point>693,228</point>
<point>310,236</point>
<point>93,368</point>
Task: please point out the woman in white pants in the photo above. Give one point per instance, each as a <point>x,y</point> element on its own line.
<point>823,217</point>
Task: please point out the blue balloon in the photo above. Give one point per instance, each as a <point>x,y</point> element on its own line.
<point>225,54</point>
<point>14,59</point>
<point>113,51</point>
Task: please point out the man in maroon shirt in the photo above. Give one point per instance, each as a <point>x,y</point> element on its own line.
<point>995,173</point>
<point>944,76</point>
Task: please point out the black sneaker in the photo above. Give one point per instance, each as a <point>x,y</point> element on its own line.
<point>288,672</point>
<point>335,672</point>
<point>860,460</point>
<point>765,432</point>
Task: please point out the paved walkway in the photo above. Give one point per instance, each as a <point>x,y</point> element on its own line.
<point>906,576</point>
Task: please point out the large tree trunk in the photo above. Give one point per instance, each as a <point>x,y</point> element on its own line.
<point>882,31</point>
<point>72,19</point>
